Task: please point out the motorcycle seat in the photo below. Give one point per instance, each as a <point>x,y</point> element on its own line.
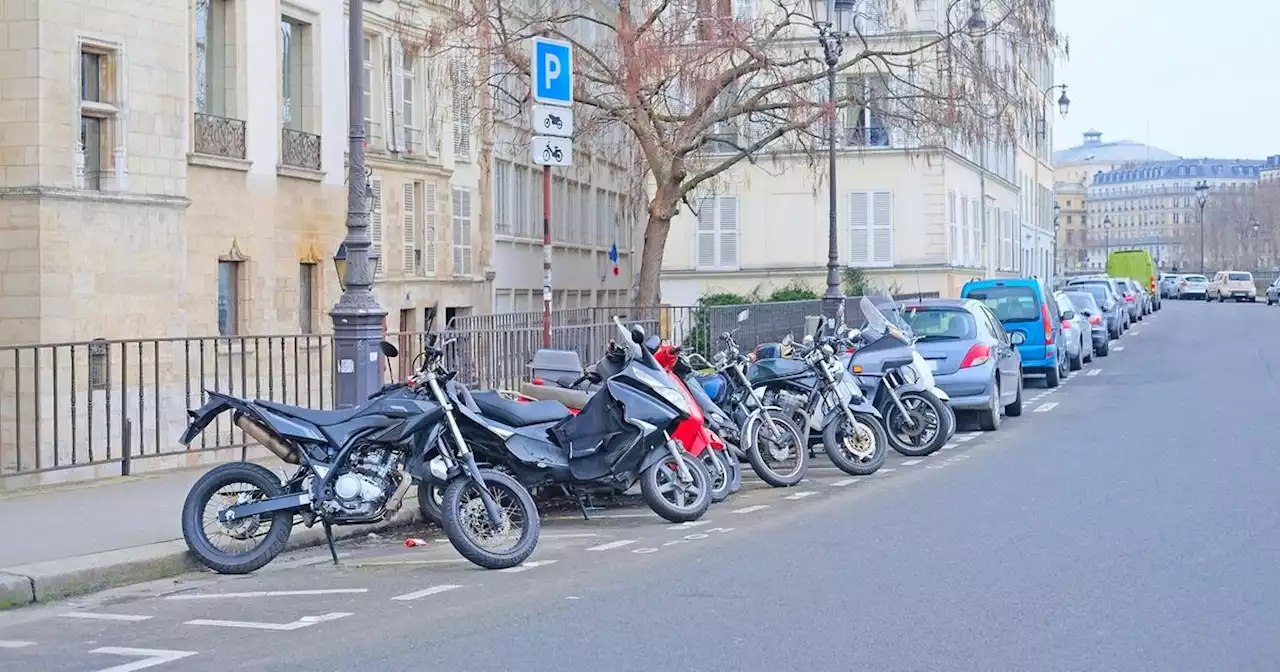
<point>317,417</point>
<point>519,413</point>
<point>571,398</point>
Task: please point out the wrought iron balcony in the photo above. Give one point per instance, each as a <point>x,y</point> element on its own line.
<point>219,136</point>
<point>299,149</point>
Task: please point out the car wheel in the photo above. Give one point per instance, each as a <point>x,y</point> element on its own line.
<point>1015,409</point>
<point>1271,301</point>
<point>1104,349</point>
<point>1076,363</point>
<point>1053,378</point>
<point>1087,349</point>
<point>989,419</point>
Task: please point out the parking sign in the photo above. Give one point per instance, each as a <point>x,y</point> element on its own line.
<point>552,71</point>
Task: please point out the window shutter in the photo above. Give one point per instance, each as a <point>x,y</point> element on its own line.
<point>962,243</point>
<point>859,228</point>
<point>457,231</point>
<point>728,230</point>
<point>882,228</point>
<point>953,228</point>
<point>466,234</point>
<point>429,227</point>
<point>395,96</point>
<point>411,263</point>
<point>375,220</point>
<point>461,90</point>
<point>706,233</point>
<point>975,232</point>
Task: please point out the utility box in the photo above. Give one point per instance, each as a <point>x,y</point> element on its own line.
<point>556,365</point>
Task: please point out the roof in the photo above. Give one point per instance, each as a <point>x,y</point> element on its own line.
<point>1094,150</point>
<point>1243,169</point>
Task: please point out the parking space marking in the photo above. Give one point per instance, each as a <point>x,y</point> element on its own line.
<point>847,481</point>
<point>150,657</point>
<point>426,592</point>
<point>886,471</point>
<point>304,622</point>
<point>801,495</point>
<point>950,446</point>
<point>911,463</point>
<point>1118,348</point>
<point>689,524</point>
<point>269,593</point>
<point>751,509</point>
<point>87,615</point>
<point>12,644</point>
<point>1047,406</point>
<point>1093,372</point>
<point>614,544</point>
<point>528,566</point>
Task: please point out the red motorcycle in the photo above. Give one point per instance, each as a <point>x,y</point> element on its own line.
<point>697,438</point>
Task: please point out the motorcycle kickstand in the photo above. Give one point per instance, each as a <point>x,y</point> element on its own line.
<point>328,536</point>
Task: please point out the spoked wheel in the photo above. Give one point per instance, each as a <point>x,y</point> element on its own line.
<point>673,499</point>
<point>467,524</point>
<point>718,468</point>
<point>858,450</point>
<point>780,457</point>
<point>238,546</point>
<point>919,437</point>
<point>431,501</point>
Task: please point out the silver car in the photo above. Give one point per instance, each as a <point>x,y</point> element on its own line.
<point>1273,292</point>
<point>1170,283</point>
<point>1076,333</point>
<point>1193,286</point>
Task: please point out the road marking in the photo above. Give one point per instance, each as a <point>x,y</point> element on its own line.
<point>304,622</point>
<point>1118,348</point>
<point>569,535</point>
<point>614,544</point>
<point>528,566</point>
<point>104,617</point>
<point>847,481</point>
<point>10,644</point>
<point>425,592</point>
<point>270,593</point>
<point>911,463</point>
<point>800,495</point>
<point>150,657</point>
<point>689,524</point>
<point>751,509</point>
<point>963,439</point>
<point>950,446</point>
<point>885,471</point>
<point>1093,372</point>
<point>1047,406</point>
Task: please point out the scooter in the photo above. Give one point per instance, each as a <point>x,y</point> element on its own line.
<point>695,433</point>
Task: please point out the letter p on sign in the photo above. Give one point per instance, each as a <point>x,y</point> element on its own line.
<point>552,72</point>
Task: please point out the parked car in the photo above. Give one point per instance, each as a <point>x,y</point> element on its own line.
<point>1236,285</point>
<point>1170,285</point>
<point>1273,292</point>
<point>973,359</point>
<point>1131,296</point>
<point>1099,332</point>
<point>1112,301</point>
<point>1022,305</point>
<point>1144,297</point>
<point>1075,333</point>
<point>1193,286</point>
<point>1141,268</point>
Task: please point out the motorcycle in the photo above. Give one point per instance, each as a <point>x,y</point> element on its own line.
<point>694,433</point>
<point>354,467</point>
<point>816,391</point>
<point>917,417</point>
<point>623,434</point>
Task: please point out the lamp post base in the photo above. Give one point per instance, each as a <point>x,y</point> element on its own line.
<point>357,331</point>
<point>833,300</point>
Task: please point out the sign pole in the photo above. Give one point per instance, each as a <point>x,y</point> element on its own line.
<point>546,256</point>
<point>551,77</point>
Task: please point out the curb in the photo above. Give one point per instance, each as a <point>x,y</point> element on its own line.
<point>53,579</point>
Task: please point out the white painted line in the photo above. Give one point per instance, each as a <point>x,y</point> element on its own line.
<point>528,566</point>
<point>1093,372</point>
<point>150,657</point>
<point>425,592</point>
<point>966,438</point>
<point>972,435</point>
<point>692,523</point>
<point>886,471</point>
<point>270,593</point>
<point>569,535</point>
<point>847,481</point>
<point>800,495</point>
<point>10,644</point>
<point>1118,348</point>
<point>304,622</point>
<point>751,509</point>
<point>950,446</point>
<point>614,544</point>
<point>1047,406</point>
<point>104,617</point>
<point>911,463</point>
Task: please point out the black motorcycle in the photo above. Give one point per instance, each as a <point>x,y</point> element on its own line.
<point>354,467</point>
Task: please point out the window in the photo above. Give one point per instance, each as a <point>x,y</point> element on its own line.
<point>502,188</point>
<point>99,118</point>
<point>427,242</point>
<point>1010,303</point>
<point>373,128</point>
<point>603,232</point>
<point>864,123</point>
<point>954,228</point>
<point>411,224</point>
<point>413,140</point>
<point>870,228</point>
<point>522,224</point>
<point>461,232</point>
<point>717,240</point>
<point>215,66</point>
<point>375,221</point>
<point>291,79</point>
<point>461,90</point>
<point>228,298</point>
<point>306,297</point>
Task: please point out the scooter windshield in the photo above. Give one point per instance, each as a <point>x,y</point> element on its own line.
<point>878,326</point>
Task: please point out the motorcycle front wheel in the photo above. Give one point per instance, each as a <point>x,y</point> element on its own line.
<point>718,468</point>
<point>782,460</point>
<point>677,502</point>
<point>930,429</point>
<point>466,522</point>
<point>857,450</point>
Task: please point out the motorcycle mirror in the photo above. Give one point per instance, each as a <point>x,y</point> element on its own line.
<point>388,350</point>
<point>726,336</point>
<point>637,334</point>
<point>742,316</point>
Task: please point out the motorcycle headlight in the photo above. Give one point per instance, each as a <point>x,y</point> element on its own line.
<point>909,374</point>
<point>676,399</point>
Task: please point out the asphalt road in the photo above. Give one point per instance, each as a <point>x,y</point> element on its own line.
<point>1127,522</point>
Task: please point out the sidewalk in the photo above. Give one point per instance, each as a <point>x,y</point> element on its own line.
<point>77,538</point>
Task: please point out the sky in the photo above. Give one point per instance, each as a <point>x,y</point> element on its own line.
<point>1192,77</point>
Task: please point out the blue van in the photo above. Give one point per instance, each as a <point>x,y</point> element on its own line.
<point>1025,306</point>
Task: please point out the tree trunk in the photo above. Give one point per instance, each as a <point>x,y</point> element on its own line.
<point>662,208</point>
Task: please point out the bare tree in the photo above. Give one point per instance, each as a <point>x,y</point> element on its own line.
<point>702,85</point>
<point>1230,237</point>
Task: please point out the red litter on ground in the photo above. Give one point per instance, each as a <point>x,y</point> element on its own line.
<point>411,542</point>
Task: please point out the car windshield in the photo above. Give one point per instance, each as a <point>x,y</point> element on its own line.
<point>1010,304</point>
<point>1196,278</point>
<point>1239,277</point>
<point>940,324</point>
<point>1098,290</point>
<point>1084,300</point>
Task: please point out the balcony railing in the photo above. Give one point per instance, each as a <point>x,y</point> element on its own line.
<point>219,136</point>
<point>299,149</point>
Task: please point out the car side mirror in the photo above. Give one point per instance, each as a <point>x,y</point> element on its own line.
<point>388,350</point>
<point>1017,338</point>
<point>1068,315</point>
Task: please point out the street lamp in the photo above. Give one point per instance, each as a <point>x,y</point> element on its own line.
<point>357,317</point>
<point>1042,132</point>
<point>1106,231</point>
<point>831,34</point>
<point>1057,210</point>
<point>1202,199</point>
<point>976,27</point>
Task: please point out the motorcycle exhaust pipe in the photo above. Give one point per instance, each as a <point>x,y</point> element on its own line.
<point>397,497</point>
<point>260,434</point>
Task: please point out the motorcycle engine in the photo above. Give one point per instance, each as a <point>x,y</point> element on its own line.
<point>790,402</point>
<point>366,484</point>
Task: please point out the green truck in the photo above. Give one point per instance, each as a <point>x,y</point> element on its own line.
<point>1138,266</point>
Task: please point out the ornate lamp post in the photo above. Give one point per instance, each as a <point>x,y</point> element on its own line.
<point>1042,131</point>
<point>831,34</point>
<point>1202,199</point>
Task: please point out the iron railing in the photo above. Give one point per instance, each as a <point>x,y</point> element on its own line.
<point>299,149</point>
<point>219,136</point>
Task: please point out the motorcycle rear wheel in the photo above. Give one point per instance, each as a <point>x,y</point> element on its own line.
<point>686,509</point>
<point>462,518</point>
<point>196,506</point>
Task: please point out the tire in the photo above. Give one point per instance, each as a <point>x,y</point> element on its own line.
<point>193,510</point>
<point>431,501</point>
<point>1076,362</point>
<point>1087,349</point>
<point>930,404</point>
<point>834,432</point>
<point>791,434</point>
<point>1015,409</point>
<point>989,418</point>
<point>1271,302</point>
<point>1222,298</point>
<point>468,548</point>
<point>718,470</point>
<point>649,489</point>
<point>1053,378</point>
<point>1104,349</point>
